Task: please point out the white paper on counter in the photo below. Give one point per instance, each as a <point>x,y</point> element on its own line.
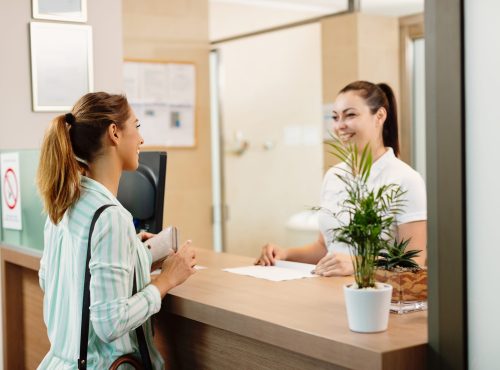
<point>196,267</point>
<point>283,270</point>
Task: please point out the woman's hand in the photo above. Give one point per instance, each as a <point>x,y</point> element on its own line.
<point>158,264</point>
<point>144,235</point>
<point>335,264</point>
<point>269,254</point>
<point>176,268</point>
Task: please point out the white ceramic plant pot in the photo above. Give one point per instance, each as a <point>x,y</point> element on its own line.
<point>368,309</point>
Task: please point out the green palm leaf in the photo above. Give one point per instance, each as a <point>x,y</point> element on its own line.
<point>370,213</point>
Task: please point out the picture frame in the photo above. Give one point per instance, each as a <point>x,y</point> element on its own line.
<point>61,65</point>
<point>60,10</point>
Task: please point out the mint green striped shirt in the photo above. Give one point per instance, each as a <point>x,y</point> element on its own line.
<point>114,311</point>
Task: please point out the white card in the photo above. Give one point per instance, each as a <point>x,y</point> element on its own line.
<point>163,243</point>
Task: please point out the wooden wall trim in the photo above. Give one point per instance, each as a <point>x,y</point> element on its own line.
<point>24,257</point>
<point>25,336</point>
<point>410,28</point>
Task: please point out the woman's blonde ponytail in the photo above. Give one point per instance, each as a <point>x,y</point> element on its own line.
<point>70,146</point>
<point>58,175</point>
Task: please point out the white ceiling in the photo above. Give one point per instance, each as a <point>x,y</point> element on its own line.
<point>234,17</point>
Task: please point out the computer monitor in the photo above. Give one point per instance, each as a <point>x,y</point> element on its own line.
<point>142,192</point>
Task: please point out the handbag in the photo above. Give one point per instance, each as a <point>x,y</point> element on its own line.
<point>128,358</point>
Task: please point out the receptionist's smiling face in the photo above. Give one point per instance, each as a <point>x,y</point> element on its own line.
<point>353,121</point>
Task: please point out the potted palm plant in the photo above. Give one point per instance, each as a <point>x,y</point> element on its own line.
<point>368,232</point>
<point>396,266</point>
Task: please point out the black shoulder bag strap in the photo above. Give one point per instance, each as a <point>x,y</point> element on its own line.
<point>84,339</point>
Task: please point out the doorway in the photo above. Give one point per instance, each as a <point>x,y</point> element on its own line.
<point>269,89</point>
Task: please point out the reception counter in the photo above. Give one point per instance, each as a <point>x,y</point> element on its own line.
<point>218,320</point>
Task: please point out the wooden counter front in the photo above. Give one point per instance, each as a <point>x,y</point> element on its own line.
<point>219,320</point>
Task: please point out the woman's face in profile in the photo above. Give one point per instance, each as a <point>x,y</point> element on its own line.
<point>130,143</point>
<point>353,121</point>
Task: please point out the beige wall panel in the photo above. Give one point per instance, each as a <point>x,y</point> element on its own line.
<point>177,31</point>
<point>358,46</point>
<point>378,40</point>
<point>339,53</point>
<point>172,21</point>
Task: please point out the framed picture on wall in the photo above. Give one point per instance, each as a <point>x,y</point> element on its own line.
<point>61,64</point>
<point>60,10</point>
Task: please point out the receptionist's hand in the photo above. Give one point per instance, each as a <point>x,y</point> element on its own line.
<point>269,254</point>
<point>335,264</point>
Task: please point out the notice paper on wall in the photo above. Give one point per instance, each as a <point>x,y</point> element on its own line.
<point>282,270</point>
<point>163,97</point>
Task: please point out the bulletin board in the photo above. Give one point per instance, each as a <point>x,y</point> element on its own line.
<point>163,97</point>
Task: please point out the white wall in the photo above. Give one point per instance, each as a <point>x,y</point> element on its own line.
<point>20,128</point>
<point>271,92</point>
<point>482,81</point>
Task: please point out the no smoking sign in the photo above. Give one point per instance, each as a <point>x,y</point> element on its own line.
<point>10,188</point>
<point>11,191</point>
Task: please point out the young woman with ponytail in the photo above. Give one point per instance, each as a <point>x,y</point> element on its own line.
<point>364,113</point>
<point>82,157</point>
